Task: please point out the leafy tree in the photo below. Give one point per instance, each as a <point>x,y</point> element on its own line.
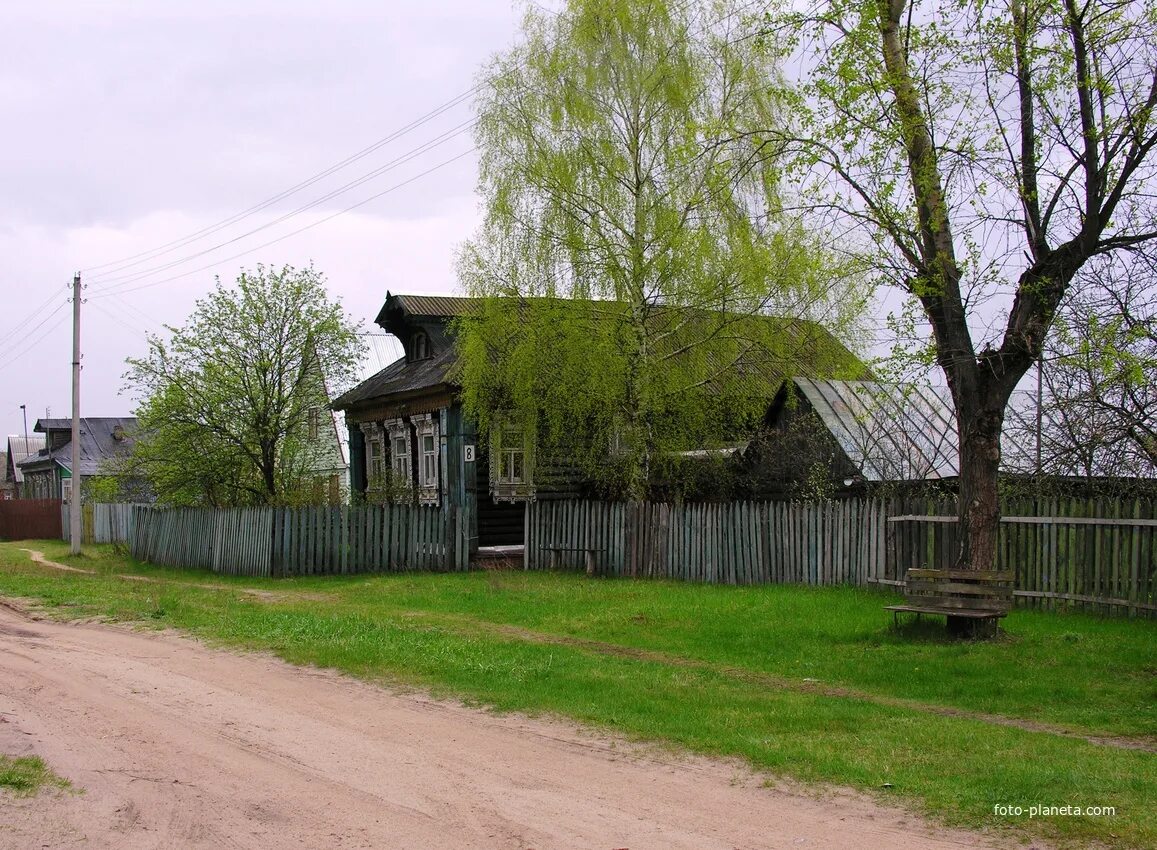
<point>225,403</point>
<point>633,247</point>
<point>986,151</point>
<point>1098,402</point>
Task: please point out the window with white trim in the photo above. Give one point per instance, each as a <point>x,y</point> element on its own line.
<point>66,489</point>
<point>429,461</point>
<point>375,460</point>
<point>511,464</point>
<point>426,432</point>
<point>511,459</point>
<point>400,456</point>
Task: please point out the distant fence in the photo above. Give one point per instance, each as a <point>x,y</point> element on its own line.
<point>101,522</point>
<point>302,541</point>
<point>1099,554</point>
<point>29,519</point>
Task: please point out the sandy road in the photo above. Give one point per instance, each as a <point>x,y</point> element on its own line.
<point>178,745</point>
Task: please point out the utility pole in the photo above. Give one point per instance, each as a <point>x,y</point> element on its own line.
<point>74,524</point>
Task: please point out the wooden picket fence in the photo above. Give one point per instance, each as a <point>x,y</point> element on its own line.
<point>1098,553</point>
<point>839,542</point>
<point>1101,555</point>
<point>101,522</point>
<point>301,541</point>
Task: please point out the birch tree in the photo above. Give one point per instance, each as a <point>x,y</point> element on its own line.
<point>634,246</point>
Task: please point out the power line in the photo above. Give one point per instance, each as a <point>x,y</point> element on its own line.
<point>116,283</point>
<point>145,256</point>
<point>6,361</point>
<point>139,331</point>
<point>113,283</point>
<point>21,324</point>
<point>362,203</point>
<point>12,343</point>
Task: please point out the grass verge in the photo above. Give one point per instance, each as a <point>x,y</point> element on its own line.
<point>25,776</point>
<point>1091,676</point>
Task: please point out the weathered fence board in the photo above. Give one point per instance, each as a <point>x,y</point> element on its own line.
<point>301,541</point>
<point>1060,551</point>
<point>1095,552</point>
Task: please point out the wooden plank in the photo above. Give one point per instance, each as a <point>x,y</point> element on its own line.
<point>952,587</point>
<point>972,575</point>
<point>1032,520</point>
<point>962,612</point>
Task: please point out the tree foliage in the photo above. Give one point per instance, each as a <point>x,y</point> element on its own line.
<point>986,151</point>
<point>1098,400</point>
<point>225,403</point>
<point>634,244</point>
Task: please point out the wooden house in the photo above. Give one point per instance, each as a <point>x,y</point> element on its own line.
<point>409,439</point>
<point>19,447</point>
<point>48,474</point>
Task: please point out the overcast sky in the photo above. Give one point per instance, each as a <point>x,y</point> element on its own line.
<point>129,125</point>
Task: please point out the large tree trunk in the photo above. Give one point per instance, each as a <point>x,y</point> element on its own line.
<point>979,505</point>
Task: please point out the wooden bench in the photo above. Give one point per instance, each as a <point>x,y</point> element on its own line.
<point>973,600</point>
<point>588,555</point>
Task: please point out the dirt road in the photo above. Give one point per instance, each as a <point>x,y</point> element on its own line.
<point>177,745</point>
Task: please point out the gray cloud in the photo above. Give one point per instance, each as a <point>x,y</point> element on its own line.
<point>129,124</point>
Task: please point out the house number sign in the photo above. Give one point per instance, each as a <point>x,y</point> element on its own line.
<point>468,454</point>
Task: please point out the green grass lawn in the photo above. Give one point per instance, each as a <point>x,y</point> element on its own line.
<point>807,683</point>
<point>27,775</point>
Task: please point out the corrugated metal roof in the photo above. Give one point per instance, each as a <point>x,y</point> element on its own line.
<point>436,305</point>
<point>19,448</point>
<point>891,432</point>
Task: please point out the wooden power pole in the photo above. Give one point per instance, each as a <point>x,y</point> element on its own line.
<point>74,524</point>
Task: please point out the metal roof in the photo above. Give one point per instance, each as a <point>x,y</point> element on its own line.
<point>806,345</point>
<point>399,377</point>
<point>435,305</point>
<point>891,432</point>
<point>20,448</point>
<point>98,443</point>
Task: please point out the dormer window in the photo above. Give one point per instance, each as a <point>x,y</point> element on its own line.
<point>420,346</point>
